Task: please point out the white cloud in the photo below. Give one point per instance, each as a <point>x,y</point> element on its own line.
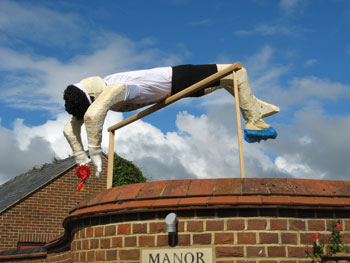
<point>288,7</point>
<point>294,165</point>
<point>46,77</point>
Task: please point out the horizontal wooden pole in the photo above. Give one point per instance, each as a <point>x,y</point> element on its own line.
<point>192,89</point>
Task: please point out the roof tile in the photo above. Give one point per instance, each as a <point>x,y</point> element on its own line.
<point>200,187</point>
<point>224,200</point>
<point>228,186</point>
<point>194,201</point>
<point>254,186</point>
<point>152,190</point>
<point>176,188</point>
<point>130,191</point>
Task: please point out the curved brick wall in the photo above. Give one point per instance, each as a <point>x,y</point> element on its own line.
<point>250,220</point>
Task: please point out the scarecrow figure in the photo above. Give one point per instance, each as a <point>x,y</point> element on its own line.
<point>90,99</point>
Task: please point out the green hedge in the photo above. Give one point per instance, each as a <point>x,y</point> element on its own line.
<point>125,172</point>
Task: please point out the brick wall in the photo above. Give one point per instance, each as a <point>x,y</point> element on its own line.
<point>250,220</point>
<point>38,218</point>
<point>235,235</point>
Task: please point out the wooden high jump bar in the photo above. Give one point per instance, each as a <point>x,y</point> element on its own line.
<point>195,87</point>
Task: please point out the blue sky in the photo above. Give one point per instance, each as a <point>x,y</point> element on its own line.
<point>297,54</point>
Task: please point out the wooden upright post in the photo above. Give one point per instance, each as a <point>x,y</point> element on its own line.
<point>110,160</point>
<point>239,128</point>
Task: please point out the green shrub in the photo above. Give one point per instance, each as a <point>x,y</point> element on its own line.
<point>125,172</point>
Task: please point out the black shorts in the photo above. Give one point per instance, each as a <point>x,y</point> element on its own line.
<point>187,75</point>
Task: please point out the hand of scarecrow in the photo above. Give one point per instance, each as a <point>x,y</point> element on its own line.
<point>95,155</point>
<point>81,158</point>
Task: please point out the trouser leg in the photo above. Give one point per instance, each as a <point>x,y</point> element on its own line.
<point>252,108</point>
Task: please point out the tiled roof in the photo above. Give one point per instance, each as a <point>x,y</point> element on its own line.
<point>234,192</point>
<point>23,185</point>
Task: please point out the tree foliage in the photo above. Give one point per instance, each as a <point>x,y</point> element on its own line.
<point>125,172</point>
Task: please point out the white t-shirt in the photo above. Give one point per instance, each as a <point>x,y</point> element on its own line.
<point>144,86</point>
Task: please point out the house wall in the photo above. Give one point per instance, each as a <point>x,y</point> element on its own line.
<point>38,218</point>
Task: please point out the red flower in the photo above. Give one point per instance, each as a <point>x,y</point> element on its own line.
<point>316,235</point>
<point>307,247</point>
<point>339,227</point>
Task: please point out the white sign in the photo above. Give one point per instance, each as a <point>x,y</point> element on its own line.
<point>177,255</point>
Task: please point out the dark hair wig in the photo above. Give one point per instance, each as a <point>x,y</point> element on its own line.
<point>76,102</point>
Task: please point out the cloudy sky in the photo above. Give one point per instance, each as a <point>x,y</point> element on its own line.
<point>297,53</point>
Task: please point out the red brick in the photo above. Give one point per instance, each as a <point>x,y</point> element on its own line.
<point>146,241</point>
<point>89,232</point>
<point>100,255</point>
<point>268,238</point>
<point>85,244</point>
<point>276,252</point>
<point>201,239</point>
<point>184,240</point>
<point>228,252</point>
<point>79,245</point>
<point>278,224</point>
<point>235,224</point>
<point>124,229</point>
<point>105,243</point>
<point>254,252</point>
<point>306,238</point>
<point>289,238</point>
<point>296,252</point>
<point>246,238</point>
<point>223,238</point>
<point>195,226</point>
<point>162,240</point>
<point>129,254</point>
<point>117,242</point>
<point>139,228</point>
<point>99,231</point>
<point>82,256</point>
<point>297,225</point>
<point>257,224</point>
<point>110,231</point>
<point>130,242</point>
<point>111,255</point>
<point>94,243</point>
<point>214,225</point>
<point>316,225</point>
<point>91,256</point>
<point>157,228</point>
<point>181,226</point>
